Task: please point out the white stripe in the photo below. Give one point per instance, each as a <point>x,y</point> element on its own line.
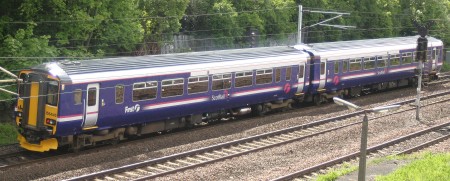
<point>174,103</point>
<point>329,80</point>
<point>357,76</point>
<point>256,91</point>
<point>73,118</point>
<point>402,69</point>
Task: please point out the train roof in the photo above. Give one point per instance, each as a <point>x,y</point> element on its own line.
<point>372,47</point>
<point>197,63</point>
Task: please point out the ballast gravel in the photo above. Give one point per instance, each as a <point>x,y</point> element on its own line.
<point>263,165</point>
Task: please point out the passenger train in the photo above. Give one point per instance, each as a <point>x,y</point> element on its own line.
<point>76,104</point>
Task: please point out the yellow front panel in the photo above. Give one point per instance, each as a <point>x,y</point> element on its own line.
<point>34,97</point>
<point>19,109</point>
<point>51,112</point>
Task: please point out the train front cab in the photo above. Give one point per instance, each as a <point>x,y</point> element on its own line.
<point>37,111</point>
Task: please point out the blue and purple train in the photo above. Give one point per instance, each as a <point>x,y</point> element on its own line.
<point>76,104</point>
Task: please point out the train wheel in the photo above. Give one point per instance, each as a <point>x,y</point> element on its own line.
<point>258,110</point>
<point>317,99</point>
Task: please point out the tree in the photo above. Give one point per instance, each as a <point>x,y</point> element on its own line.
<point>160,20</point>
<point>87,27</point>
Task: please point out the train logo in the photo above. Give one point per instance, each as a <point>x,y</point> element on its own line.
<point>287,88</point>
<point>336,80</point>
<point>135,108</point>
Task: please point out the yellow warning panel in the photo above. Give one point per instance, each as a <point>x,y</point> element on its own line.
<point>44,145</point>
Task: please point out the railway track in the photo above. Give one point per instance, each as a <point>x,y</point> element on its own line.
<point>187,160</point>
<point>383,149</point>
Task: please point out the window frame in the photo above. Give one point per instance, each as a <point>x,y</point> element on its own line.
<point>189,82</point>
<point>172,83</point>
<point>301,72</point>
<point>80,98</point>
<point>345,65</point>
<point>354,61</point>
<point>383,59</point>
<point>370,60</point>
<point>405,56</point>
<point>222,79</point>
<point>150,86</point>
<point>123,93</point>
<point>268,71</point>
<point>396,56</point>
<point>288,73</point>
<point>336,67</point>
<point>245,74</point>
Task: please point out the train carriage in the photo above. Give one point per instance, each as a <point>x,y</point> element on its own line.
<point>351,67</point>
<point>109,99</point>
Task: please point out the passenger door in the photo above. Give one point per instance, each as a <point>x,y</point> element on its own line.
<point>323,75</point>
<point>91,105</point>
<point>301,78</point>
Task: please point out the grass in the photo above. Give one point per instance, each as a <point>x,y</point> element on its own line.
<point>445,67</point>
<point>430,167</point>
<point>334,174</point>
<point>8,133</point>
<point>423,166</point>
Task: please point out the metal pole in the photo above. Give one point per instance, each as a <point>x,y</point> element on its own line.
<point>300,17</point>
<point>362,157</point>
<point>419,87</point>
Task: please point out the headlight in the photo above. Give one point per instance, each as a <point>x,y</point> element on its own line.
<point>50,121</point>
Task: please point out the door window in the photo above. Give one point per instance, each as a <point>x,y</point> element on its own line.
<point>92,96</point>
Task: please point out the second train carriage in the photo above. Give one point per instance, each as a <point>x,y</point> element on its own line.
<point>351,67</point>
<point>78,104</point>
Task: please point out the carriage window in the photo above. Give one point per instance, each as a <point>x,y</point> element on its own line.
<point>434,54</point>
<point>243,79</point>
<point>119,94</point>
<point>92,96</point>
<point>369,63</point>
<point>221,81</point>
<point>381,62</point>
<point>301,71</point>
<point>395,60</point>
<point>263,76</point>
<point>170,88</point>
<point>52,93</point>
<point>344,66</point>
<point>322,68</point>
<point>277,75</point>
<point>144,90</point>
<point>336,67</point>
<point>407,58</point>
<point>77,96</point>
<point>288,73</point>
<point>355,64</point>
<point>198,84</point>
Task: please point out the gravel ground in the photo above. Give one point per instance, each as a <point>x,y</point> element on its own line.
<point>272,163</point>
<point>257,166</point>
<point>9,149</point>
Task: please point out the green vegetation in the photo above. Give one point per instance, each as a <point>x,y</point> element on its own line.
<point>334,174</point>
<point>33,31</point>
<point>446,67</point>
<point>423,166</point>
<point>431,167</point>
<point>8,133</point>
